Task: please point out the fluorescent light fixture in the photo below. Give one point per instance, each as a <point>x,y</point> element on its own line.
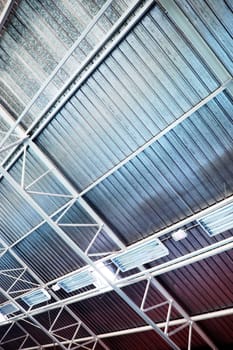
<point>179,235</point>
<point>77,281</point>
<point>37,297</point>
<point>100,282</point>
<point>3,318</point>
<point>8,309</point>
<point>219,221</point>
<point>140,254</point>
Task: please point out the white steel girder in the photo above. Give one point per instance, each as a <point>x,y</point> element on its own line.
<point>93,214</point>
<point>81,201</point>
<point>220,71</point>
<point>177,322</point>
<point>64,237</point>
<point>62,180</point>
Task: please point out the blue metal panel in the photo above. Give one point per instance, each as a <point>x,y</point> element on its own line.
<point>185,171</point>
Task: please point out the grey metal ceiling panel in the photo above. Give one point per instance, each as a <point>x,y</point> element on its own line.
<point>185,171</point>
<point>47,255</point>
<point>28,55</point>
<point>142,87</point>
<point>213,275</point>
<point>213,20</point>
<point>17,217</point>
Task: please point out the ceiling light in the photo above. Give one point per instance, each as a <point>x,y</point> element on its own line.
<point>3,318</point>
<point>99,280</point>
<point>179,235</point>
<point>8,309</point>
<point>219,221</point>
<point>77,281</point>
<point>37,297</point>
<point>140,254</point>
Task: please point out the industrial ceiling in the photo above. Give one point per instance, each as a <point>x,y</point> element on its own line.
<point>116,163</point>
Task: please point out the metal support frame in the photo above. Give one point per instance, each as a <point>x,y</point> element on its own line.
<point>64,237</point>
<point>64,182</point>
<point>176,322</point>
<point>185,260</point>
<point>27,313</point>
<point>224,77</point>
<point>22,339</point>
<point>75,196</point>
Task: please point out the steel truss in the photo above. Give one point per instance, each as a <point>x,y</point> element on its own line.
<point>20,340</point>
<point>74,197</point>
<point>176,322</point>
<point>83,254</point>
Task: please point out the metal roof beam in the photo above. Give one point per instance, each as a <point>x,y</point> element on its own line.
<point>173,323</point>
<point>33,319</point>
<point>82,254</point>
<point>198,255</point>
<point>73,191</point>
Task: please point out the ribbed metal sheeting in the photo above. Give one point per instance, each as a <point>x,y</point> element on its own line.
<point>149,339</point>
<point>220,328</point>
<point>147,82</point>
<point>28,55</point>
<point>185,171</point>
<point>15,332</point>
<point>35,332</point>
<point>213,19</point>
<point>212,275</point>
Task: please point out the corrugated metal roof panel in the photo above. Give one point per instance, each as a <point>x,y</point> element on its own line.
<point>29,54</point>
<point>213,20</point>
<point>144,85</point>
<point>203,286</point>
<point>17,217</point>
<point>114,313</point>
<point>185,171</point>
<point>36,249</point>
<point>150,341</point>
<point>220,330</point>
